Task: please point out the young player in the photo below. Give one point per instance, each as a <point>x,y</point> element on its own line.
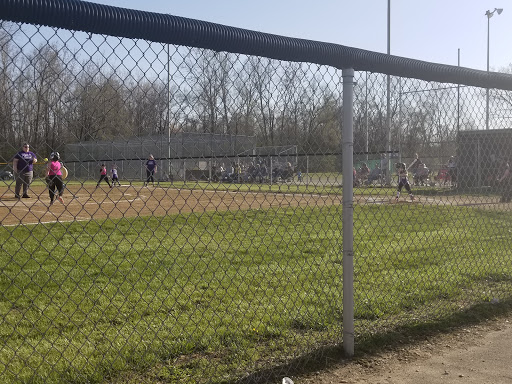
<point>54,178</point>
<point>151,168</point>
<point>403,180</point>
<point>103,176</point>
<point>115,177</point>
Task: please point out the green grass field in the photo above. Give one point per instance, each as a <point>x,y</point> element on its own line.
<point>217,295</point>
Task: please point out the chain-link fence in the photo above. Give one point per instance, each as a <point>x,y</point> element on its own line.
<point>221,257</point>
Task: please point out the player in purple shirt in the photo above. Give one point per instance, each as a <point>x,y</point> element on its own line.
<point>150,170</point>
<point>23,167</point>
<point>403,180</point>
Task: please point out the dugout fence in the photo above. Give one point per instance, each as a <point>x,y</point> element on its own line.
<point>240,274</point>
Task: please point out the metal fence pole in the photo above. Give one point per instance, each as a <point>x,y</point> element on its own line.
<point>348,211</point>
<point>271,166</point>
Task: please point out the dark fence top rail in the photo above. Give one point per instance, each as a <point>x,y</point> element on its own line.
<point>102,19</point>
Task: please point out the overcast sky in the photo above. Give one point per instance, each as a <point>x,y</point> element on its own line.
<point>430,30</point>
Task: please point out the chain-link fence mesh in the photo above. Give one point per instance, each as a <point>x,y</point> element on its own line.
<point>218,254</point>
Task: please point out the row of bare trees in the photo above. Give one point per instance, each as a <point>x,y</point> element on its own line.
<point>50,95</point>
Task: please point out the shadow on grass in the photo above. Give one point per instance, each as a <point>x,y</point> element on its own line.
<point>369,346</point>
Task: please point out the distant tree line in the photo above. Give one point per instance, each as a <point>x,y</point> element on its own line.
<point>50,97</point>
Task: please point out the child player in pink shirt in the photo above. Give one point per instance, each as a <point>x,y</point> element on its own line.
<point>54,178</point>
<point>103,176</point>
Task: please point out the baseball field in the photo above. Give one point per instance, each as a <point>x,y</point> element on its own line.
<point>212,283</point>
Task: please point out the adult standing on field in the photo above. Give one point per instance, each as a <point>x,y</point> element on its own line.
<point>54,178</point>
<point>23,167</point>
<point>151,169</point>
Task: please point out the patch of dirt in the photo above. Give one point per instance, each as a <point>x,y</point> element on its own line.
<point>86,202</point>
<point>474,354</point>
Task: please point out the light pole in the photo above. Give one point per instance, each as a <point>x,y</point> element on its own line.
<point>169,112</point>
<point>489,14</point>
<point>388,104</point>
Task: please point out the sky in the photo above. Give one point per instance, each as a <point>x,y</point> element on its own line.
<point>438,31</point>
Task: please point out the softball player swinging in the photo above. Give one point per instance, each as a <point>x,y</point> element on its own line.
<point>403,180</point>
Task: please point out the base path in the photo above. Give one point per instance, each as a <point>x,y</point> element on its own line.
<point>86,202</point>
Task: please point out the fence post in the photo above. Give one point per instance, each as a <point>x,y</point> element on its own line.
<point>348,210</point>
<point>270,171</point>
<point>307,170</point>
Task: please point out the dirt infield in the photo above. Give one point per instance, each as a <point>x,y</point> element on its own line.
<point>88,202</point>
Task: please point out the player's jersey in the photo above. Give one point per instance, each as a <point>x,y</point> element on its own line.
<point>403,176</point>
<point>151,165</point>
<point>25,161</point>
<point>55,168</point>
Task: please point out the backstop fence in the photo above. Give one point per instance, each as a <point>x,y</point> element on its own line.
<point>306,196</point>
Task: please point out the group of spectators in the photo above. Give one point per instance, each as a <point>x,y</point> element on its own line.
<point>421,174</point>
<point>365,176</point>
<point>253,173</point>
<point>420,171</point>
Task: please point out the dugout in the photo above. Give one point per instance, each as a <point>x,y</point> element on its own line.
<point>480,157</point>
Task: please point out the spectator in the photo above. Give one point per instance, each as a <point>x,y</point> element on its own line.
<point>384,168</point>
<point>215,175</point>
<point>375,174</point>
<point>452,170</point>
<point>364,169</point>
<point>421,175</point>
<point>263,173</point>
<point>251,172</point>
<point>506,184</point>
<point>363,173</point>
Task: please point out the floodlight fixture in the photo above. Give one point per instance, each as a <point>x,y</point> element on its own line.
<point>489,14</point>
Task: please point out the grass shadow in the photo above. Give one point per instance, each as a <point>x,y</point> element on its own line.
<point>371,346</point>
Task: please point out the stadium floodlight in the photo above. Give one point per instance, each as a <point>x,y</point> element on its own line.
<point>489,14</point>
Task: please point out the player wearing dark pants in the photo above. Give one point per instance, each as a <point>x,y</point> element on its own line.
<point>115,177</point>
<point>103,176</point>
<point>403,180</point>
<point>54,178</point>
<point>150,170</point>
<point>55,188</point>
